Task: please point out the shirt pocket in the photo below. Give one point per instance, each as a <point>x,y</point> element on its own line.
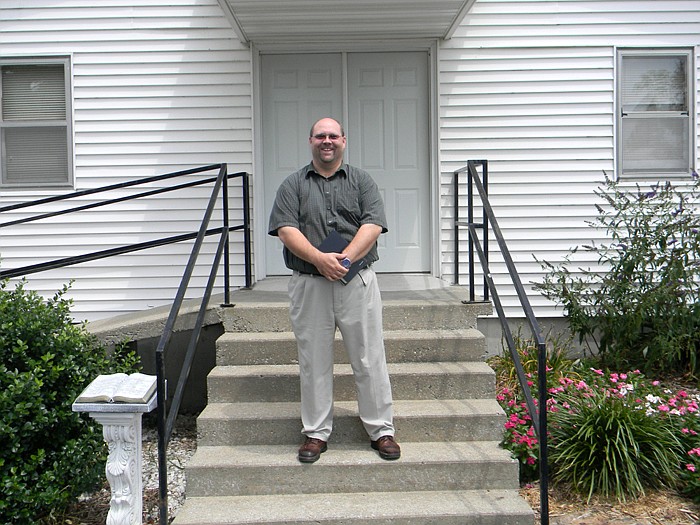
<point>347,205</point>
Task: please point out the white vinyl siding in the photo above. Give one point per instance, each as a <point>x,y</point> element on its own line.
<point>531,87</point>
<point>158,86</point>
<point>164,85</point>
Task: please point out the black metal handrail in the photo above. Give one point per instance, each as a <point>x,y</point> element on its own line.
<point>165,416</point>
<point>539,417</point>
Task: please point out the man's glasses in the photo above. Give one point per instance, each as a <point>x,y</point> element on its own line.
<point>330,136</point>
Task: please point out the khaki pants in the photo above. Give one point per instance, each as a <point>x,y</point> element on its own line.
<point>317,307</point>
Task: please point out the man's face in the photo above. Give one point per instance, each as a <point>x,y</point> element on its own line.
<point>327,144</point>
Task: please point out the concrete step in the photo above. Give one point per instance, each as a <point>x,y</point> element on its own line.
<point>426,314</point>
<point>257,383</point>
<point>251,348</point>
<point>466,507</point>
<point>415,420</point>
<point>274,469</point>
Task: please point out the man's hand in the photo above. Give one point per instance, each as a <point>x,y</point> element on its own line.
<point>329,265</point>
<point>326,263</point>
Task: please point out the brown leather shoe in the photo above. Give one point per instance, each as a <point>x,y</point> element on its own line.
<point>387,447</point>
<point>311,450</point>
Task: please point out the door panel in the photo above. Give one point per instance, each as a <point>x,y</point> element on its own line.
<point>387,136</point>
<point>296,91</point>
<point>388,112</point>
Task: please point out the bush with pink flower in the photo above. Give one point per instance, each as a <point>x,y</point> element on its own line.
<point>610,433</point>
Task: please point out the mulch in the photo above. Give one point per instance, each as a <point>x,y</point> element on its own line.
<point>654,508</point>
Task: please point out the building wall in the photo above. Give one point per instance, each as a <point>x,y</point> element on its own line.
<point>158,86</point>
<point>529,86</point>
<point>164,85</point>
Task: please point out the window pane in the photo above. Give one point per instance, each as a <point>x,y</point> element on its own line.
<point>33,92</point>
<point>658,145</point>
<point>654,83</point>
<point>36,155</point>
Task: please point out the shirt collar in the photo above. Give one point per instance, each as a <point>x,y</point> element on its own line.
<point>342,170</point>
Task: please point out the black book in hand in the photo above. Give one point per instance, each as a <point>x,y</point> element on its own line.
<point>334,243</point>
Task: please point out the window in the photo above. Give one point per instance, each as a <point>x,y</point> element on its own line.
<point>35,132</point>
<point>655,126</point>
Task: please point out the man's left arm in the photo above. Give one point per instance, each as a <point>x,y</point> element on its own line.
<point>363,241</point>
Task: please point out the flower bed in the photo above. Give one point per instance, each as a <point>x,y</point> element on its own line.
<point>611,434</point>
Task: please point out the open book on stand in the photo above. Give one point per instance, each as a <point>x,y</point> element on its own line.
<point>334,243</point>
<point>119,388</point>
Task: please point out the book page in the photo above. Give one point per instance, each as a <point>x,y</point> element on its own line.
<point>138,388</point>
<point>101,388</point>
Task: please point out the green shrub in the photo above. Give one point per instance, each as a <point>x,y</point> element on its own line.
<point>642,310</point>
<point>610,434</point>
<point>615,434</point>
<point>48,454</point>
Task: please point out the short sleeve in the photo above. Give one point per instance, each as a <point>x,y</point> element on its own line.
<point>285,210</point>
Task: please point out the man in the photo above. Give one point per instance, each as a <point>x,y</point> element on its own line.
<point>323,196</point>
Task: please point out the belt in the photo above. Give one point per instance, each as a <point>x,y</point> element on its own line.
<point>319,275</point>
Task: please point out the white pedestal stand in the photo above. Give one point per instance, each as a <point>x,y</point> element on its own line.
<point>121,428</point>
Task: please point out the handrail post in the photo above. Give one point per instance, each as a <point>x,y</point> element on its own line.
<point>455,192</point>
<point>162,439</point>
<point>470,220</point>
<point>485,222</point>
<point>544,460</point>
<point>246,231</point>
<point>227,255</point>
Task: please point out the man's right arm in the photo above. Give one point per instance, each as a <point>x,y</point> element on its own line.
<point>326,263</point>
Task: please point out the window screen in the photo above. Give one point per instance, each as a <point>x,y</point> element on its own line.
<point>34,124</point>
<point>655,126</point>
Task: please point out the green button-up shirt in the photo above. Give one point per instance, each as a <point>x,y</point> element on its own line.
<point>316,205</point>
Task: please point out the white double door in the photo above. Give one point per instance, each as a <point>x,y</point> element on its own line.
<point>385,100</point>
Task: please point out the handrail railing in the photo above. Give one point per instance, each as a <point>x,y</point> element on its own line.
<point>539,417</point>
<point>165,416</point>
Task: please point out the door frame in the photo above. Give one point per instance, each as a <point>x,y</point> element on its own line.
<point>261,216</point>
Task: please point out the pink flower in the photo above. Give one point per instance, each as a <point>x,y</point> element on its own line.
<point>690,467</point>
<point>664,408</point>
<point>597,371</point>
<point>530,461</point>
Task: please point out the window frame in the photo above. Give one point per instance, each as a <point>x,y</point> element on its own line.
<point>67,123</point>
<point>691,114</point>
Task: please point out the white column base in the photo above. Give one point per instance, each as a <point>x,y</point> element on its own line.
<point>122,432</point>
